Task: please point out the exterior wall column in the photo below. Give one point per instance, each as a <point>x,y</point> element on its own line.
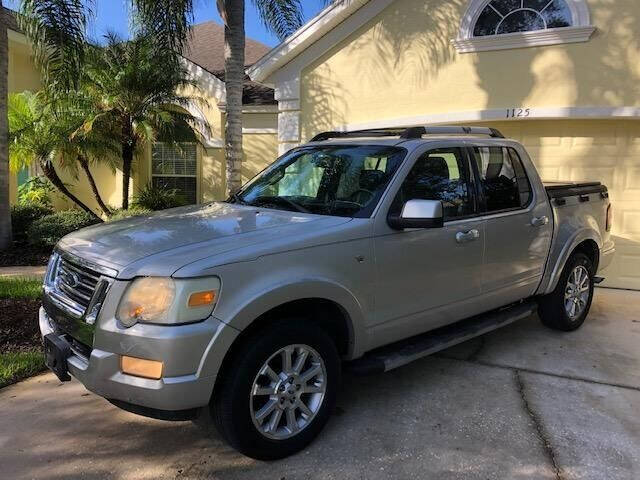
<point>287,93</point>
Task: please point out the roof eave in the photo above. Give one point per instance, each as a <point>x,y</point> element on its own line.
<point>302,38</point>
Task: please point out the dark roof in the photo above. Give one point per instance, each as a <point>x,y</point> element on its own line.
<point>253,93</point>
<point>8,17</point>
<point>206,49</point>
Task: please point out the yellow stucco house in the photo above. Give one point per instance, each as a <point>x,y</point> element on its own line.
<point>561,76</point>
<point>199,171</point>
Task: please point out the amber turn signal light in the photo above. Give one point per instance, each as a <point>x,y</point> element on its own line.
<point>141,367</point>
<point>200,299</point>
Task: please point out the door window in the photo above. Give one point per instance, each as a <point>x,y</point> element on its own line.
<point>502,178</point>
<point>439,175</point>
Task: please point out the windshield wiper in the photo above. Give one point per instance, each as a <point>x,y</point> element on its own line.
<point>236,198</point>
<point>282,200</point>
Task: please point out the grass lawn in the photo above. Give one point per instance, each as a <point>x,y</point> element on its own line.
<point>21,355</point>
<point>17,366</point>
<point>20,288</point>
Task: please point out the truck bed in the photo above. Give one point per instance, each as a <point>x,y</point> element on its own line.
<point>571,189</point>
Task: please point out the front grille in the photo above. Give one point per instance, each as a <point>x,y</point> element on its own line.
<point>76,282</point>
<point>75,286</point>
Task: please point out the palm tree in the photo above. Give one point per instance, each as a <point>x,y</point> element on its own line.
<point>5,212</point>
<point>57,28</point>
<point>168,20</point>
<point>80,148</point>
<point>38,133</point>
<point>137,92</point>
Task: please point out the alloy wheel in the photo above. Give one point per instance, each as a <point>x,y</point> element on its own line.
<point>576,294</point>
<point>288,391</point>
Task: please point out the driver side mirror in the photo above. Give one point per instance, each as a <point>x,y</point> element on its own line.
<point>418,214</point>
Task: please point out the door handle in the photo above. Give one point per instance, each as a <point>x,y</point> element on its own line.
<point>465,237</point>
<point>539,221</point>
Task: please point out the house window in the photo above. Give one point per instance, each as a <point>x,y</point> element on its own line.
<point>511,16</point>
<point>504,24</point>
<point>176,167</point>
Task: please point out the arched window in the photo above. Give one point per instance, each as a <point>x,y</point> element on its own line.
<point>502,24</point>
<point>511,16</point>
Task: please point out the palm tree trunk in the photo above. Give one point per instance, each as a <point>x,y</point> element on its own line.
<point>50,172</point>
<point>84,163</point>
<point>234,80</point>
<point>5,210</point>
<point>127,161</point>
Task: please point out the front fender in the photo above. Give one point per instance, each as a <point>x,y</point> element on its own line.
<point>306,288</point>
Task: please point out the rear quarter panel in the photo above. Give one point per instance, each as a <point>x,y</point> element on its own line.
<point>574,222</point>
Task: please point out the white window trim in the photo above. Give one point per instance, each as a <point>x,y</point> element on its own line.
<point>580,31</point>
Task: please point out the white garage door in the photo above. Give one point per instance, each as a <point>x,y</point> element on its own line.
<point>602,150</point>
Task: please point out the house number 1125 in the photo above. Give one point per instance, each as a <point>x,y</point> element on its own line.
<point>518,112</point>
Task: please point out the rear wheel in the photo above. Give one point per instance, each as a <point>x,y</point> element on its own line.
<point>278,391</point>
<point>568,305</point>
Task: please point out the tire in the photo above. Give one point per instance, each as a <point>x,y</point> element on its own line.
<point>235,409</point>
<point>554,310</point>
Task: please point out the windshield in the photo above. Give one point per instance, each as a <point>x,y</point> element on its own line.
<point>341,180</point>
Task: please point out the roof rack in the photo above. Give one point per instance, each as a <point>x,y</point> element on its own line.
<point>410,132</point>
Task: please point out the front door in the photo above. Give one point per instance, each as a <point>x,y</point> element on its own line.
<point>429,277</point>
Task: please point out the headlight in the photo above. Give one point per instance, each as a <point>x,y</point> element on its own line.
<point>168,301</point>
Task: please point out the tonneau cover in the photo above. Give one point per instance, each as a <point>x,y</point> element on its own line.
<point>570,189</point>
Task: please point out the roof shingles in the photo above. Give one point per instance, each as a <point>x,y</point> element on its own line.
<point>206,49</point>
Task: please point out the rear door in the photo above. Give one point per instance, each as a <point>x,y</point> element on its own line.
<point>429,277</point>
<point>518,227</point>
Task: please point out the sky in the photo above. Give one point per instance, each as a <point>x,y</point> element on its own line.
<point>112,15</point>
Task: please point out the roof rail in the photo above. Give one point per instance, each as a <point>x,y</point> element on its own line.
<point>410,132</point>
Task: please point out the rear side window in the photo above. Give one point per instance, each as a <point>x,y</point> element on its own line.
<point>503,179</point>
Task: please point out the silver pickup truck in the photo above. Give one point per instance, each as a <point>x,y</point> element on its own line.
<point>364,250</point>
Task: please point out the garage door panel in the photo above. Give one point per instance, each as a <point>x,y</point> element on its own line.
<point>584,173</point>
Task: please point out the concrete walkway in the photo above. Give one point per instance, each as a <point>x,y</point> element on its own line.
<point>28,272</point>
<point>521,403</point>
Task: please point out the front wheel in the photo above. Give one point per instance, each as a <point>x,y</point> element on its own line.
<point>568,305</point>
<point>278,391</point>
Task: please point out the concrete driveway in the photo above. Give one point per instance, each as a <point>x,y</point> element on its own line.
<point>523,402</point>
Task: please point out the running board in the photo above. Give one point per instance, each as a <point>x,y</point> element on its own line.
<point>406,351</point>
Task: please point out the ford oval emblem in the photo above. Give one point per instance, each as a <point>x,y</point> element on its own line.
<point>71,279</point>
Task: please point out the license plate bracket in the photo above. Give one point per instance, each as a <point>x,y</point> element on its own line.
<point>56,352</point>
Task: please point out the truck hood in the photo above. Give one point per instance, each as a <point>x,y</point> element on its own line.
<point>180,236</point>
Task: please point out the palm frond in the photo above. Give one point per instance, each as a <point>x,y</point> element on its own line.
<point>282,17</point>
<point>57,29</point>
<point>167,21</point>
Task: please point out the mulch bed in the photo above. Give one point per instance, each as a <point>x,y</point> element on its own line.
<point>20,255</point>
<point>19,329</point>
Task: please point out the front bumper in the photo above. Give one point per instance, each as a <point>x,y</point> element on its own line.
<point>191,354</point>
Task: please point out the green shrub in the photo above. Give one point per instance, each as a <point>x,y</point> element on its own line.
<point>23,216</point>
<point>157,198</point>
<point>119,214</point>
<point>46,231</point>
<point>36,190</point>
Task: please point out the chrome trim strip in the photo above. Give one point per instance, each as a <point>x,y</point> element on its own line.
<point>110,272</point>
